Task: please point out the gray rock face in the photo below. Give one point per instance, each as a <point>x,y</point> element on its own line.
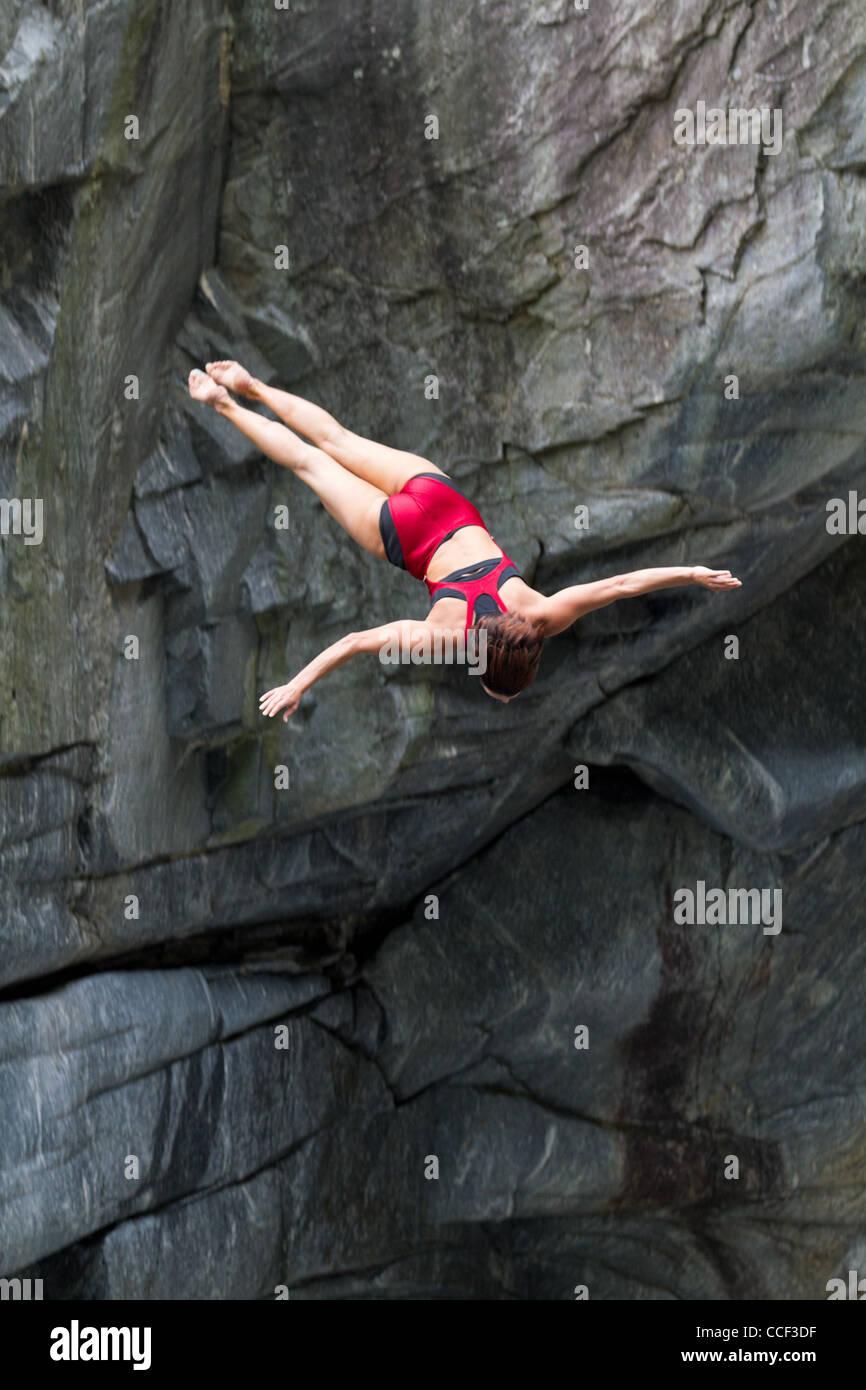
<point>433,910</point>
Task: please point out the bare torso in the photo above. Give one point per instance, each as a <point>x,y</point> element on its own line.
<point>470,546</point>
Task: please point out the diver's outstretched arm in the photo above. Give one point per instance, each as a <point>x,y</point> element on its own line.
<point>564,608</point>
<point>405,632</point>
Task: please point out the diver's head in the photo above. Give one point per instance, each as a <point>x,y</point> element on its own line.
<point>513,650</point>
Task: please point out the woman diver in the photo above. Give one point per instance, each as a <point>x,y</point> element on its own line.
<point>402,508</point>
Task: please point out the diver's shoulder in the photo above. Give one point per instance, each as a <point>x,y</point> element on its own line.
<point>523,599</point>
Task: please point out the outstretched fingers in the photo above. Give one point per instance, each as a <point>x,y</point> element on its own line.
<point>270,702</point>
<point>286,697</point>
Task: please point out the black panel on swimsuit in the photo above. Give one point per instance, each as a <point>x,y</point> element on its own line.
<point>446,593</point>
<point>479,571</point>
<point>510,572</point>
<point>440,478</point>
<point>390,539</point>
<point>485,605</point>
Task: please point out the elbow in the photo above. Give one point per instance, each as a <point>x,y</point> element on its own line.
<point>357,643</point>
<point>622,587</point>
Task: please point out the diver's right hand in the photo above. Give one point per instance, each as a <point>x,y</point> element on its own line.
<point>714,579</point>
<point>286,697</point>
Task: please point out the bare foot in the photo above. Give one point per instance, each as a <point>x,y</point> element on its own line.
<point>232,375</point>
<point>203,388</point>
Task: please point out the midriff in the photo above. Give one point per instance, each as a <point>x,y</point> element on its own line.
<point>469,546</point>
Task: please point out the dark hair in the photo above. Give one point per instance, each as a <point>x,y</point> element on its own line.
<point>514,647</point>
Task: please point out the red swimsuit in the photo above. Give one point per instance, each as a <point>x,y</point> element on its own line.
<point>415,521</point>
